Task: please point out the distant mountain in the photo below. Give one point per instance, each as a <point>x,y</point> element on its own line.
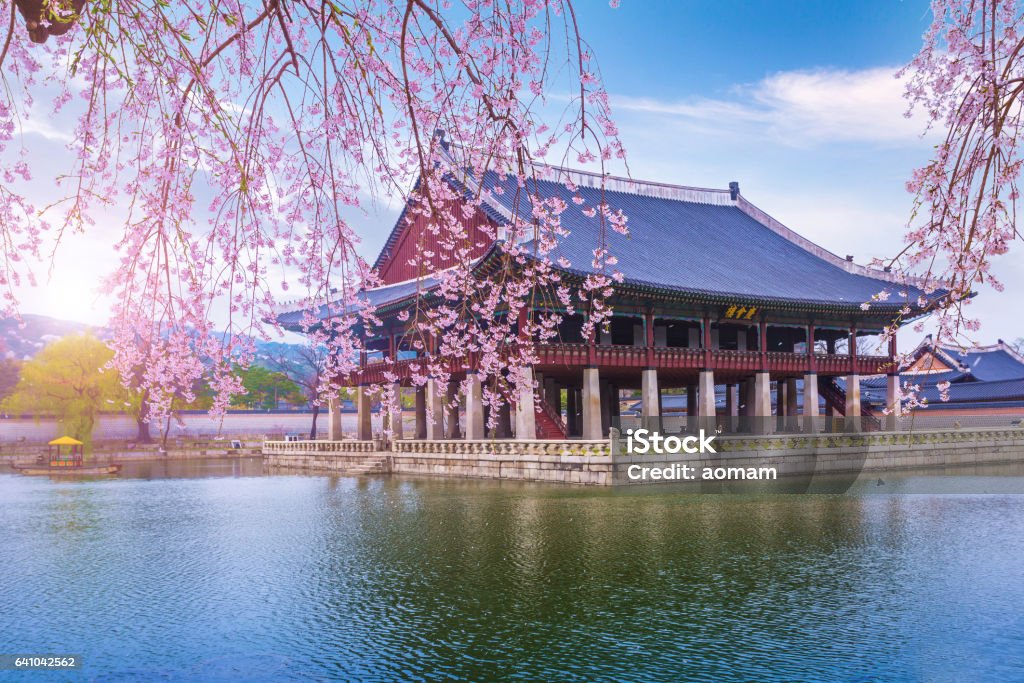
<point>21,340</point>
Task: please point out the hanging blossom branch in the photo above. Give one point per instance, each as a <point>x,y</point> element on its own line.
<point>243,138</point>
<point>968,78</point>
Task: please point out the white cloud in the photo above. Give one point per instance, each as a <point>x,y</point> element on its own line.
<point>800,108</point>
<point>35,125</point>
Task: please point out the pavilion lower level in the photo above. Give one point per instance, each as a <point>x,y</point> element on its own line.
<point>578,384</point>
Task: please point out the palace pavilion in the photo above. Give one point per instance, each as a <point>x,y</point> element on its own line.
<point>715,293</point>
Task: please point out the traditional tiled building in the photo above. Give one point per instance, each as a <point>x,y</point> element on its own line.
<point>984,381</point>
<point>715,292</point>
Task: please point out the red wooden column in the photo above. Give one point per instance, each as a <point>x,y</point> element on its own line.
<point>521,323</point>
<point>853,349</point>
<point>892,352</point>
<point>812,359</point>
<point>763,328</point>
<point>706,322</point>
<point>591,348</point>
<point>649,334</point>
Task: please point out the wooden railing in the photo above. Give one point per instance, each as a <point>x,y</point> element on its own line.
<point>578,355</point>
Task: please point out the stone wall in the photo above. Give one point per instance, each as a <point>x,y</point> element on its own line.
<point>591,462</point>
<point>575,462</point>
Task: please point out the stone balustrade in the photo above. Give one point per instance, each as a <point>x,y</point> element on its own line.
<point>311,447</point>
<point>507,448</point>
<point>591,462</point>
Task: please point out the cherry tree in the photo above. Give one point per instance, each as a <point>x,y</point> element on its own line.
<point>244,141</point>
<point>969,80</point>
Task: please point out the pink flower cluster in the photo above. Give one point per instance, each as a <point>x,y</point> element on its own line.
<point>245,141</point>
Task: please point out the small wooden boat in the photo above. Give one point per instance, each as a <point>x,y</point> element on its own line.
<point>72,470</point>
<point>66,463</point>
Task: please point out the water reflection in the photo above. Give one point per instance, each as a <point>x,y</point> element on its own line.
<point>307,578</point>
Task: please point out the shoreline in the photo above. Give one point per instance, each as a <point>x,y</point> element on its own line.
<point>596,463</point>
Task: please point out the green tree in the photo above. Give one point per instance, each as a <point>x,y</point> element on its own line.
<point>67,379</point>
<point>9,371</point>
<point>305,367</point>
<point>263,389</point>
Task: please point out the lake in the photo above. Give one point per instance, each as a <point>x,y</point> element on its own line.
<point>216,570</point>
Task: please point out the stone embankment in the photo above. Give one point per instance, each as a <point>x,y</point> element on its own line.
<point>592,462</point>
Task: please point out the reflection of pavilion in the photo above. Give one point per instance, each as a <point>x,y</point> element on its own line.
<point>715,293</point>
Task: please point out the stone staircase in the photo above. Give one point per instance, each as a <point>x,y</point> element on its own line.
<point>377,464</point>
<point>549,426</point>
<point>834,394</point>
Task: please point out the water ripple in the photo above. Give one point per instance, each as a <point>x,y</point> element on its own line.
<point>298,578</point>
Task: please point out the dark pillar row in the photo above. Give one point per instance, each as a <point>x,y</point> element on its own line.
<point>452,430</point>
<point>503,430</point>
<point>421,413</point>
<point>570,411</point>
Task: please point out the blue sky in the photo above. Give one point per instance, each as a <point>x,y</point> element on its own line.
<point>796,101</point>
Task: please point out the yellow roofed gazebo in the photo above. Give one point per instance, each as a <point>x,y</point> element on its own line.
<point>66,441</point>
<point>72,457</point>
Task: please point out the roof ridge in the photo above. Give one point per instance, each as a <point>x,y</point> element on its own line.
<point>627,185</point>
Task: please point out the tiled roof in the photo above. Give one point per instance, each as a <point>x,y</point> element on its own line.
<point>921,379</point>
<point>971,392</point>
<point>700,241</point>
<point>989,363</point>
<point>375,298</point>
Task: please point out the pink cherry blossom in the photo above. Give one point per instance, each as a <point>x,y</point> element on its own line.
<point>246,140</point>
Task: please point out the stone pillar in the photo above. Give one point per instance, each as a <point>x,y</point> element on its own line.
<point>706,395</point>
<point>792,398</point>
<point>732,400</point>
<point>591,405</point>
<point>395,417</point>
<point>853,402</point>
<point>649,395</point>
<point>421,413</point>
<point>811,394</point>
<point>451,409</point>
<point>435,413</point>
<point>526,418</point>
<point>762,406</point>
<point>363,428</point>
<point>853,396</point>
<point>334,419</point>
<point>811,402</point>
<point>792,404</point>
<point>892,402</point>
<point>691,405</point>
<point>475,424</point>
<point>751,397</point>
